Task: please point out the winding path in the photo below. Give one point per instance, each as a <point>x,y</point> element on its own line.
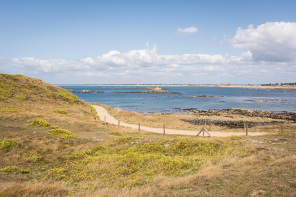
<point>105,116</point>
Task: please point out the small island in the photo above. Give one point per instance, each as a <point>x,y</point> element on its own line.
<point>203,96</point>
<point>153,91</point>
<point>87,91</point>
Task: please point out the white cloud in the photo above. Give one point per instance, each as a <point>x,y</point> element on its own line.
<point>189,30</point>
<point>271,52</point>
<point>269,42</point>
<point>146,66</point>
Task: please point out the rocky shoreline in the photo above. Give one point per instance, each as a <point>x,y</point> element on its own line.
<point>236,118</point>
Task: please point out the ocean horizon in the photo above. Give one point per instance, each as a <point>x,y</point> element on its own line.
<point>206,98</point>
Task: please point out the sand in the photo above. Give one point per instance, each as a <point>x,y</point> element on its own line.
<point>106,117</point>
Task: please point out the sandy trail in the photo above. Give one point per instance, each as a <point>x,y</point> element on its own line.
<point>106,117</point>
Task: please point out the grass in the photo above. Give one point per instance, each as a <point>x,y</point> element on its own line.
<point>109,160</point>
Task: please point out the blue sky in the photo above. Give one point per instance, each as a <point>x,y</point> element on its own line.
<point>137,41</point>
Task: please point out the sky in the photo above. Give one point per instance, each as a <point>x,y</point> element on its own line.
<point>149,41</point>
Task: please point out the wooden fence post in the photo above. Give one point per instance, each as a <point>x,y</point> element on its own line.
<point>163,129</point>
<point>246,127</point>
<point>139,127</point>
<point>118,122</point>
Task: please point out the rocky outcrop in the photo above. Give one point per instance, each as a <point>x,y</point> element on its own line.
<point>261,101</point>
<point>203,96</point>
<point>87,91</point>
<point>153,91</point>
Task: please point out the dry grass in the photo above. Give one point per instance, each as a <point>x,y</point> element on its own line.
<point>250,166</point>
<point>33,189</point>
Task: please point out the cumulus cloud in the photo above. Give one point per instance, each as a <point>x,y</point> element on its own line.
<point>269,42</point>
<point>133,63</point>
<point>270,52</point>
<point>188,30</point>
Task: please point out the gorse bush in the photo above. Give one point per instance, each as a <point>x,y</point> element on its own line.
<point>9,110</point>
<point>36,158</point>
<point>61,111</point>
<point>117,133</point>
<point>38,122</point>
<point>130,162</point>
<point>5,143</point>
<point>20,98</point>
<point>14,170</point>
<point>5,93</point>
<point>61,132</point>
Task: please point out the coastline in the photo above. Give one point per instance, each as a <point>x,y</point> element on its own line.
<point>256,87</point>
<point>190,85</point>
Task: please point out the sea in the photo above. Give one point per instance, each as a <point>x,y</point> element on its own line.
<point>223,98</point>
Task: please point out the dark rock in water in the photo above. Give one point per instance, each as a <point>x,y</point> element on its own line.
<point>204,96</point>
<point>87,91</point>
<point>152,91</point>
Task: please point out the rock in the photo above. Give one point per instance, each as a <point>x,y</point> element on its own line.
<point>261,101</point>
<point>203,96</point>
<point>88,91</point>
<point>153,91</point>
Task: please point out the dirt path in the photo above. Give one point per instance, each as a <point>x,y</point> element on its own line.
<point>105,116</point>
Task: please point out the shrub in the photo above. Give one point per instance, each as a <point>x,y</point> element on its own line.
<point>94,112</point>
<point>61,132</point>
<point>61,111</point>
<point>9,110</point>
<point>117,133</point>
<point>38,122</point>
<point>20,98</point>
<point>14,170</point>
<point>36,158</point>
<point>5,93</point>
<point>5,144</point>
<point>124,140</point>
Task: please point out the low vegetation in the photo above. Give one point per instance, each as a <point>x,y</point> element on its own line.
<point>61,132</point>
<point>81,156</point>
<point>5,143</point>
<point>38,122</point>
<point>59,111</point>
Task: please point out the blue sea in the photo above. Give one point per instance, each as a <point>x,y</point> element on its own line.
<point>244,98</point>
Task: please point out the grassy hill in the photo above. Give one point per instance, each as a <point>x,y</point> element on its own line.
<point>50,145</point>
